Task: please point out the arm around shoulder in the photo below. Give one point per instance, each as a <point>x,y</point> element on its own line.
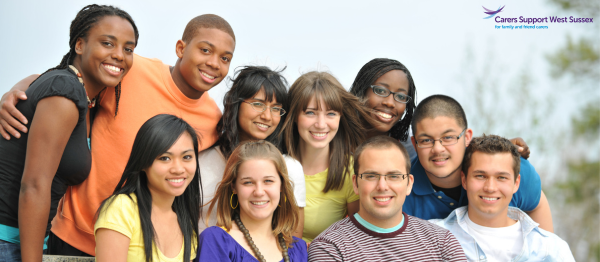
<point>11,119</point>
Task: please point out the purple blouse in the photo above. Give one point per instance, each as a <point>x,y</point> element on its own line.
<point>217,245</point>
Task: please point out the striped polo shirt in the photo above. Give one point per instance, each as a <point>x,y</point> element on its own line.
<point>416,240</point>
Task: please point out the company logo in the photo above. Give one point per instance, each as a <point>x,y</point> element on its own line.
<point>491,12</point>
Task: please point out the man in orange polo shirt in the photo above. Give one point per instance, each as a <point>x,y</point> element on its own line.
<point>150,88</point>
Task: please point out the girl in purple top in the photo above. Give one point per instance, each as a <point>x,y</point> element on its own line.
<point>256,210</point>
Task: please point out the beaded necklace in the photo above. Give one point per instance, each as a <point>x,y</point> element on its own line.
<point>260,257</point>
<point>91,103</point>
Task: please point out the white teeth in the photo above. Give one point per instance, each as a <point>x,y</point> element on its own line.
<point>175,180</point>
<point>262,125</point>
<point>384,115</point>
<point>440,160</point>
<point>112,68</point>
<point>382,199</point>
<point>319,134</point>
<point>490,198</point>
<point>207,75</point>
<point>259,203</point>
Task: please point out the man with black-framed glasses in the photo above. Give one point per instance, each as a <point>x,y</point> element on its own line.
<point>380,231</point>
<point>440,137</point>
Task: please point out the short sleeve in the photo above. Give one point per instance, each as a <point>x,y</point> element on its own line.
<point>215,245</point>
<point>119,215</point>
<point>323,250</point>
<point>348,186</point>
<point>296,175</point>
<point>61,84</point>
<point>527,198</point>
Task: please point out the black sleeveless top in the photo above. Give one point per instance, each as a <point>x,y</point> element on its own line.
<point>76,161</point>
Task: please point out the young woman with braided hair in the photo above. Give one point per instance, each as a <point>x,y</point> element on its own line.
<point>36,170</point>
<point>388,90</point>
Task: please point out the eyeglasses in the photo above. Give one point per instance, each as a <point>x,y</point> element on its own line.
<point>384,92</point>
<point>261,107</point>
<point>389,177</point>
<point>444,141</point>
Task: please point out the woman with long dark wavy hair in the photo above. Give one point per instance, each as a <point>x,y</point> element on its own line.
<point>255,109</point>
<point>153,213</point>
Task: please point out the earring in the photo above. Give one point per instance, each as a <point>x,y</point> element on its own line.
<point>284,200</point>
<point>231,202</point>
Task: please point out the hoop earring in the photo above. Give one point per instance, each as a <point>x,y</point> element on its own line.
<point>231,202</point>
<point>284,200</point>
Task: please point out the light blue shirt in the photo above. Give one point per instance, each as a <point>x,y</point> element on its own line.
<point>375,228</point>
<point>538,244</point>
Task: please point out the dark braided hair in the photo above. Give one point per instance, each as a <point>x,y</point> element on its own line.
<point>83,22</point>
<point>373,70</point>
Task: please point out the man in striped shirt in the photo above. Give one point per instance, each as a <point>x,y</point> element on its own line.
<point>380,231</point>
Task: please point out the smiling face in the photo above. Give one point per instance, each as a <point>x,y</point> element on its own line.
<point>254,125</point>
<point>203,61</point>
<point>385,110</point>
<point>106,54</point>
<point>490,185</point>
<point>258,188</point>
<point>173,171</point>
<point>317,126</point>
<point>441,163</point>
<point>381,201</point>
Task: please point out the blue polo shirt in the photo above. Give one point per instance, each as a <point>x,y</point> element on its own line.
<point>425,203</point>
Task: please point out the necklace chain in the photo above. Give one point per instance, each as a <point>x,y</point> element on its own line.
<point>91,103</point>
<point>260,257</point>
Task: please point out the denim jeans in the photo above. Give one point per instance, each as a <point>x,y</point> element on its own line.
<point>10,252</point>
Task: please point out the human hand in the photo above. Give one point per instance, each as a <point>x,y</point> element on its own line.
<point>11,119</point>
<point>521,146</point>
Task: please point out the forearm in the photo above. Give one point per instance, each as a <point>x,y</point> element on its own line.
<point>24,84</point>
<point>34,209</point>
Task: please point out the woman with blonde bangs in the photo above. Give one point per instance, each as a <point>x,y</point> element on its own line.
<point>256,210</point>
<point>321,132</point>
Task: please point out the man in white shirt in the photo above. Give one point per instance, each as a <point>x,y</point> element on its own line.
<point>488,229</point>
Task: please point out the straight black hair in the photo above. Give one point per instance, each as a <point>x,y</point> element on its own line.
<point>153,139</point>
<point>246,83</point>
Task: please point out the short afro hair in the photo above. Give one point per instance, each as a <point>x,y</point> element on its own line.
<point>206,21</point>
<point>439,105</point>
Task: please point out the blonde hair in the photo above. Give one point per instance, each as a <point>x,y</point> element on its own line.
<point>286,215</point>
<point>351,132</point>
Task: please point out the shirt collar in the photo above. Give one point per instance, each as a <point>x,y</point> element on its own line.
<point>527,224</point>
<point>422,185</point>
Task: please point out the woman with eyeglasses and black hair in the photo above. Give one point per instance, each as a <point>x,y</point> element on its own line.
<point>255,109</point>
<point>387,88</point>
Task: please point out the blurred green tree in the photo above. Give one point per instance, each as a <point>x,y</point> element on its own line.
<point>578,63</point>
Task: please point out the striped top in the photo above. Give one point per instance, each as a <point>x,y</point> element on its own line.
<point>416,240</point>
